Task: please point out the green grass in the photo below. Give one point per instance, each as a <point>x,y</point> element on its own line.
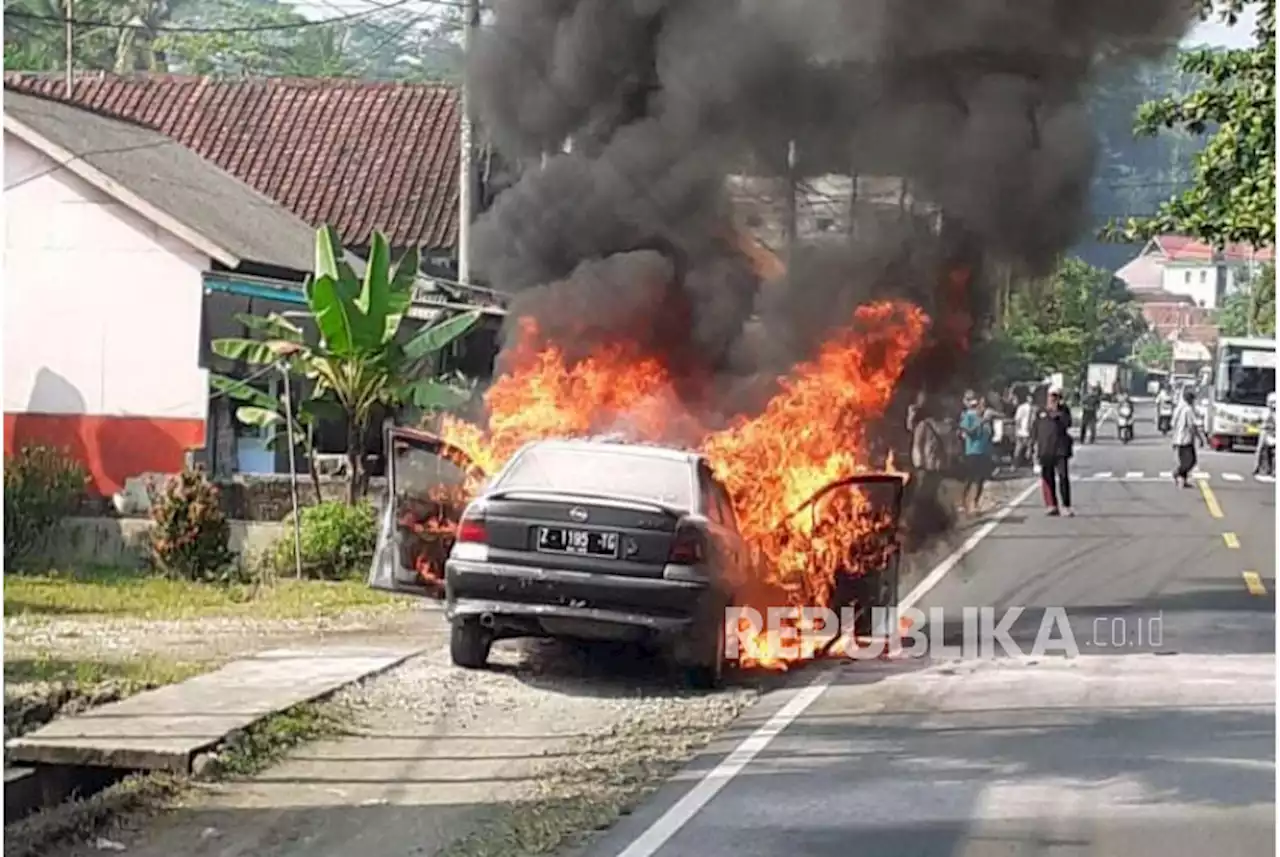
<point>116,592</point>
<point>142,672</point>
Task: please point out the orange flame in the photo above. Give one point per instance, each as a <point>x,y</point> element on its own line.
<point>810,434</point>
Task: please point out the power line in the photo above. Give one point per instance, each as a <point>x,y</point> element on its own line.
<point>259,28</point>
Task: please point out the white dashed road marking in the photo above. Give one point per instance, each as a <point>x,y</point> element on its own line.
<point>1233,477</point>
<point>1133,474</point>
<point>1106,474</point>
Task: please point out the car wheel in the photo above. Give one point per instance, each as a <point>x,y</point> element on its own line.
<point>709,675</point>
<point>469,645</point>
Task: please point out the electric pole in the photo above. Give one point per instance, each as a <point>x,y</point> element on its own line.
<point>790,225</point>
<point>71,31</point>
<point>467,155</point>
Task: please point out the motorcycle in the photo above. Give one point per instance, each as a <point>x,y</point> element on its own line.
<point>1164,417</point>
<point>1124,422</point>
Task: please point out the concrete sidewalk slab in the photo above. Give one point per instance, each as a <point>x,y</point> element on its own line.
<point>163,729</point>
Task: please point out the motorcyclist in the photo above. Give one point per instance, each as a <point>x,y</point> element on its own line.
<point>1268,434</point>
<point>1164,408</point>
<point>1124,415</point>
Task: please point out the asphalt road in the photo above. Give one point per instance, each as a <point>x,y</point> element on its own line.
<point>1158,740</point>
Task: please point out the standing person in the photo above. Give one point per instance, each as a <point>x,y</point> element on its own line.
<point>1186,435</point>
<point>1089,415</point>
<point>1023,419</point>
<point>1268,432</point>
<point>1053,451</point>
<point>975,428</point>
<point>928,452</point>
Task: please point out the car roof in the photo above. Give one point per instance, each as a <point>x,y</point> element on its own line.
<point>613,443</point>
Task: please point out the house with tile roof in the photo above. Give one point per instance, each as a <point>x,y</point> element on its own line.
<point>115,234</point>
<point>126,253</point>
<point>357,155</point>
<point>1178,265</point>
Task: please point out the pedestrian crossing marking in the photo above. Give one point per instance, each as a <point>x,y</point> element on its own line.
<point>1232,541</point>
<point>1253,583</point>
<point>1160,476</point>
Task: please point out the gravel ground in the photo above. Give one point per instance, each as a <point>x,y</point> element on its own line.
<point>552,742</point>
<point>206,639</point>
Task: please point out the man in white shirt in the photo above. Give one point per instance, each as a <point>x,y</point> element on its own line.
<point>1186,434</point>
<point>1023,417</point>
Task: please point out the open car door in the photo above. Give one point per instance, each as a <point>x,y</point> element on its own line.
<point>869,579</point>
<point>426,495</point>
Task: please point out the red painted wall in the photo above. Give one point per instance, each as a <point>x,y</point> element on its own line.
<point>112,448</point>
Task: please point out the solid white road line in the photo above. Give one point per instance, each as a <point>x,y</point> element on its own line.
<point>943,568</point>
<point>670,822</point>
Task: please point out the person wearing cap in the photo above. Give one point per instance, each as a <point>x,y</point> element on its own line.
<point>1053,451</point>
<point>975,429</point>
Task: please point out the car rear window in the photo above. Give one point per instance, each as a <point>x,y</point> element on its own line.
<point>613,473</point>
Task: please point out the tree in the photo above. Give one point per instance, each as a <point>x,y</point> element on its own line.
<point>1251,309</point>
<point>1154,353</point>
<point>359,362</point>
<point>1079,315</point>
<point>1233,197</point>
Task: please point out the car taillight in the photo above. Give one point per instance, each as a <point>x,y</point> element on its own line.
<point>689,547</point>
<point>473,531</point>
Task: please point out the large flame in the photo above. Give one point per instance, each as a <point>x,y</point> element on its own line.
<point>811,433</point>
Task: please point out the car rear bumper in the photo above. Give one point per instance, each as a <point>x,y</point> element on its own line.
<point>526,600</point>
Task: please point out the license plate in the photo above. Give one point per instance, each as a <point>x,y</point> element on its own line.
<point>580,542</point>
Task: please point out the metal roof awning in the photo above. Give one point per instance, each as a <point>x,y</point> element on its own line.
<point>429,303</point>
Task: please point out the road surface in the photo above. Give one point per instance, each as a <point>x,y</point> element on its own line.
<point>1140,746</point>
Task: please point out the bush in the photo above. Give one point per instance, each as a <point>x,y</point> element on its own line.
<point>191,538</point>
<point>338,541</point>
<point>42,486</point>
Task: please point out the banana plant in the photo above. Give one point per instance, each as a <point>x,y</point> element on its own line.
<point>358,363</point>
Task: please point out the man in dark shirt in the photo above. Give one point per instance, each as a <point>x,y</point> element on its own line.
<point>1053,450</point>
<point>1089,415</point>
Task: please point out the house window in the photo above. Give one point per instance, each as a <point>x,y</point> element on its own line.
<point>268,385</point>
<point>1186,277</point>
<point>1204,276</point>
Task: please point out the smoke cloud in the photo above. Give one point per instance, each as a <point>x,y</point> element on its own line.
<point>979,104</point>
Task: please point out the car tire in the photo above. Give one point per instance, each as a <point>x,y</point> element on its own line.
<point>709,675</point>
<point>469,645</point>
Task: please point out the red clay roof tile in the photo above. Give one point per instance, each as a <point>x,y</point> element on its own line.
<point>357,155</point>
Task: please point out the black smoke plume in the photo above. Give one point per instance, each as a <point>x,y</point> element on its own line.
<point>979,104</point>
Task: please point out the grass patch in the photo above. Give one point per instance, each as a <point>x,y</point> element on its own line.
<point>146,672</point>
<point>117,592</point>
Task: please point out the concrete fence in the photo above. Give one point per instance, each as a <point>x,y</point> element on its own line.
<point>122,542</point>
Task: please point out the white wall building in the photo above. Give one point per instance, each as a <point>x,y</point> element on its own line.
<point>1182,266</point>
<point>111,230</point>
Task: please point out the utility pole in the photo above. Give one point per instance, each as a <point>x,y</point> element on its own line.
<point>790,225</point>
<point>71,32</point>
<point>467,156</point>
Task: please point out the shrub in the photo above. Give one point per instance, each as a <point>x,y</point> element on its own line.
<point>42,486</point>
<point>191,538</point>
<point>338,541</point>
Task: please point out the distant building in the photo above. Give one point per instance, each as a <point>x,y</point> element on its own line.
<point>1174,266</point>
